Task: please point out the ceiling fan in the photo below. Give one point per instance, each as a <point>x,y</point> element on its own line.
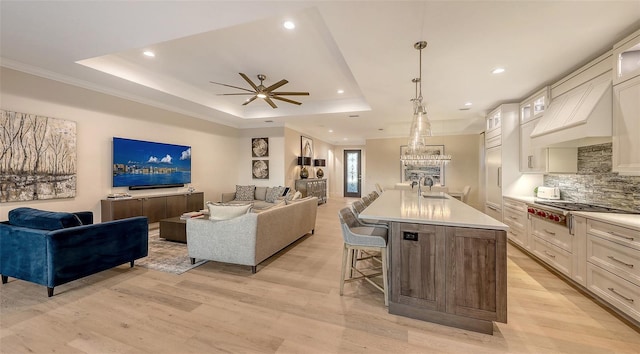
<point>260,91</point>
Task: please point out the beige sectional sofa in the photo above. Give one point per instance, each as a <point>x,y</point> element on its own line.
<point>251,238</point>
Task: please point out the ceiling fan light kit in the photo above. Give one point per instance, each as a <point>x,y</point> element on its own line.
<point>260,91</point>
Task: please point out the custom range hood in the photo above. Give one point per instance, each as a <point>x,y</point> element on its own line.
<point>578,117</point>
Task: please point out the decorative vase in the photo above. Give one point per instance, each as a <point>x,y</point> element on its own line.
<point>304,173</point>
<point>319,173</point>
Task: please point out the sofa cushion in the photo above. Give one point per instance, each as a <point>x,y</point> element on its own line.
<point>221,211</point>
<point>42,220</point>
<point>261,193</point>
<point>245,193</point>
<point>273,194</point>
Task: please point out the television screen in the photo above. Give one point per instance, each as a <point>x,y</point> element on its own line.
<point>139,163</point>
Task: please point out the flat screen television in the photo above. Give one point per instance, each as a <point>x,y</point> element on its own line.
<point>141,164</point>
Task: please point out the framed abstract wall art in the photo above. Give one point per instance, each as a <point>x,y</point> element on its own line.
<point>37,157</point>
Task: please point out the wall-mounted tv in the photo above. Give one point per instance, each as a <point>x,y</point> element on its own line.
<point>141,164</point>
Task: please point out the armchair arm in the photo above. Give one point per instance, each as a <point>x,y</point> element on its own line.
<point>229,241</point>
<point>86,217</point>
<point>227,197</point>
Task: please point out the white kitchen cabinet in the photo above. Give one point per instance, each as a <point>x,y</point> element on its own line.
<point>626,56</point>
<point>531,158</point>
<point>626,127</point>
<point>515,216</point>
<point>544,160</point>
<point>533,106</point>
<point>501,160</point>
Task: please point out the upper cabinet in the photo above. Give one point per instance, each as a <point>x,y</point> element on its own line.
<point>492,135</point>
<point>626,106</point>
<point>626,56</point>
<point>531,109</point>
<point>534,105</point>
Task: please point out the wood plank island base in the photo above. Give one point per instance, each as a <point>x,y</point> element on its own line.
<point>448,261</point>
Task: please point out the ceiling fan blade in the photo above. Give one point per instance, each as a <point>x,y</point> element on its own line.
<point>276,85</point>
<point>270,102</point>
<point>286,100</point>
<point>250,100</point>
<point>291,93</point>
<point>246,78</point>
<point>235,94</point>
<point>235,87</point>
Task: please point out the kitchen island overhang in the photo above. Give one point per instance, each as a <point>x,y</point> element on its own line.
<point>448,261</point>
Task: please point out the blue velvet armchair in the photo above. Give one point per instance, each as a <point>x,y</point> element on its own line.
<point>53,248</point>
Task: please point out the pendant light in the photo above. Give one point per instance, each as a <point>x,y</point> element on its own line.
<point>417,152</point>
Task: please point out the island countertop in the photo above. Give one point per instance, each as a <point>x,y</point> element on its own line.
<point>407,206</point>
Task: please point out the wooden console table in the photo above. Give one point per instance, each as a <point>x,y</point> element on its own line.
<point>155,208</point>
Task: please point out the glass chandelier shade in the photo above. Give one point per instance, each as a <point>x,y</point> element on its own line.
<point>418,153</point>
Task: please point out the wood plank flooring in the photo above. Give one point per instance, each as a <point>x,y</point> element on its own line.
<point>291,305</point>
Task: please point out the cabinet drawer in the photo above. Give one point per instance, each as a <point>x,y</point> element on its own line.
<point>555,234</point>
<point>514,218</point>
<point>517,236</point>
<point>515,205</point>
<point>553,255</point>
<point>615,290</point>
<point>614,233</point>
<point>620,260</point>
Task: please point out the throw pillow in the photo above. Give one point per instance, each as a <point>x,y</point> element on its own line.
<point>245,193</point>
<point>261,193</point>
<point>296,195</point>
<point>42,219</point>
<point>221,211</point>
<point>273,194</point>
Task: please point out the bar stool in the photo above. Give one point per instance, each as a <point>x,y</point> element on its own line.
<point>379,188</point>
<point>367,200</point>
<point>358,207</point>
<point>367,240</point>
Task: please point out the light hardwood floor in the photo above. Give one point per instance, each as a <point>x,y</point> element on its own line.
<point>292,305</point>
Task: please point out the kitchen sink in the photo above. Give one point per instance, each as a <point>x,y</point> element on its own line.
<point>435,195</point>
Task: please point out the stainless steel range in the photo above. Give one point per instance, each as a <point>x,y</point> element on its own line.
<point>558,211</point>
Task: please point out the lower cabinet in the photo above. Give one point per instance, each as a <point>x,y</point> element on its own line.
<point>515,216</point>
<point>449,275</point>
<point>155,208</point>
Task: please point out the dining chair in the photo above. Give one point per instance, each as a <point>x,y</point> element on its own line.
<point>363,244</point>
<point>465,194</point>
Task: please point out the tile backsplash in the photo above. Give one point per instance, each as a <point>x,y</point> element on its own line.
<point>595,183</point>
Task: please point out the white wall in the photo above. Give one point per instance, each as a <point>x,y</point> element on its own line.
<point>277,176</point>
<point>383,163</point>
<point>99,118</point>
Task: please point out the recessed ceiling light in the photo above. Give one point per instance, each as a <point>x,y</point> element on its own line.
<point>345,139</point>
<point>149,53</point>
<point>341,91</point>
<point>468,104</point>
<point>497,71</point>
<point>289,25</point>
<point>330,130</point>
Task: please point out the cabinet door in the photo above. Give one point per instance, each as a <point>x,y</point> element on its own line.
<point>195,201</point>
<point>493,165</point>
<point>122,209</point>
<point>531,159</point>
<point>176,205</point>
<point>155,209</point>
<point>626,127</point>
<point>476,273</point>
<point>418,265</point>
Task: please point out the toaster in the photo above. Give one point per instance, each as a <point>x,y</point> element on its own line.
<point>548,192</point>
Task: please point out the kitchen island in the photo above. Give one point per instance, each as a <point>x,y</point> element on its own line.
<point>448,261</point>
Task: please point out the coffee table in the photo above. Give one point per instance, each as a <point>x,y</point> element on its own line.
<point>174,229</point>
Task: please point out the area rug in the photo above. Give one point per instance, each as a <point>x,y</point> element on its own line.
<point>166,256</point>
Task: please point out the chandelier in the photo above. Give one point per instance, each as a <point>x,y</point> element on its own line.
<point>418,153</point>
